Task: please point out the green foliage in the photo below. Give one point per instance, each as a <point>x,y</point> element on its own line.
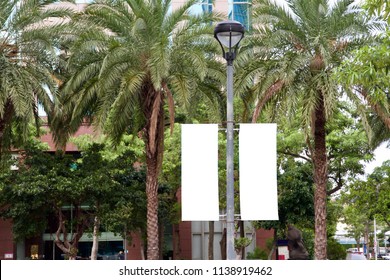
<point>291,58</point>
<point>367,73</point>
<point>112,190</point>
<point>378,7</point>
<point>295,201</point>
<point>241,242</point>
<point>308,241</point>
<point>372,194</point>
<point>111,152</point>
<point>127,211</point>
<point>356,221</point>
<point>295,196</point>
<point>171,166</point>
<point>369,67</point>
<point>269,243</point>
<point>335,250</point>
<point>257,254</point>
<point>42,185</point>
<point>348,146</point>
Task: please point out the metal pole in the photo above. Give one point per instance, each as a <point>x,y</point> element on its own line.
<point>375,238</point>
<point>230,252</point>
<point>375,241</point>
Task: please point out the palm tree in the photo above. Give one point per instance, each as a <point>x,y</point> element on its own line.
<point>130,59</point>
<point>296,49</point>
<point>27,55</point>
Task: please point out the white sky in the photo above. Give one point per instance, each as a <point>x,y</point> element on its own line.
<point>382,153</point>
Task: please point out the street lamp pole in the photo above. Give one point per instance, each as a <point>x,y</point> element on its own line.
<point>375,241</point>
<point>229,34</point>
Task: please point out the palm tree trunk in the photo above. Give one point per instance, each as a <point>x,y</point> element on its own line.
<point>4,121</point>
<point>154,149</point>
<point>320,180</point>
<point>152,208</point>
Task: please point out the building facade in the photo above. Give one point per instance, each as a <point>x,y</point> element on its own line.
<point>239,10</point>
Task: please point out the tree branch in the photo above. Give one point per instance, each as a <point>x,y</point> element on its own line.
<point>295,155</point>
<point>61,227</point>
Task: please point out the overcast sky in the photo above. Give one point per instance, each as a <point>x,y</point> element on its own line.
<point>381,154</point>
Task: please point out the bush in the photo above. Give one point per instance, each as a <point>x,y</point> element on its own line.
<point>335,250</point>
<point>257,254</point>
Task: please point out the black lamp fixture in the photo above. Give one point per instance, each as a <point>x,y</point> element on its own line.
<point>229,34</point>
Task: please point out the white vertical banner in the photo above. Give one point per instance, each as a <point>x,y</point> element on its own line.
<point>199,172</point>
<point>258,177</point>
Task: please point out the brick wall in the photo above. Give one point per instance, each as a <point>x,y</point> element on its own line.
<point>7,248</point>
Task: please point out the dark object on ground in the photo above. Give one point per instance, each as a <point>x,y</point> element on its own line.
<point>297,250</point>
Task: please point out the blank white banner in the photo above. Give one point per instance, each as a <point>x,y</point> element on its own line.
<point>199,172</point>
<point>258,178</point>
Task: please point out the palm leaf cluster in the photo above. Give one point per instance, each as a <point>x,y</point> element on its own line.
<point>28,56</point>
<point>20,78</point>
<point>132,49</point>
<point>297,47</point>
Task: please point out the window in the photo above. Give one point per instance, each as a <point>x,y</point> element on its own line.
<point>202,6</point>
<point>240,10</point>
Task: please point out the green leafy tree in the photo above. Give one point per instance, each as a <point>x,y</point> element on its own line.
<point>377,193</point>
<point>295,199</point>
<point>43,186</point>
<point>348,148</point>
<point>126,213</point>
<point>370,194</point>
<point>115,182</point>
<point>367,72</point>
<point>356,221</point>
<point>131,58</point>
<point>289,71</point>
<point>97,181</point>
<point>95,189</point>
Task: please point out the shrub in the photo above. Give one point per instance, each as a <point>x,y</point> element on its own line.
<point>335,250</point>
<point>257,254</point>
